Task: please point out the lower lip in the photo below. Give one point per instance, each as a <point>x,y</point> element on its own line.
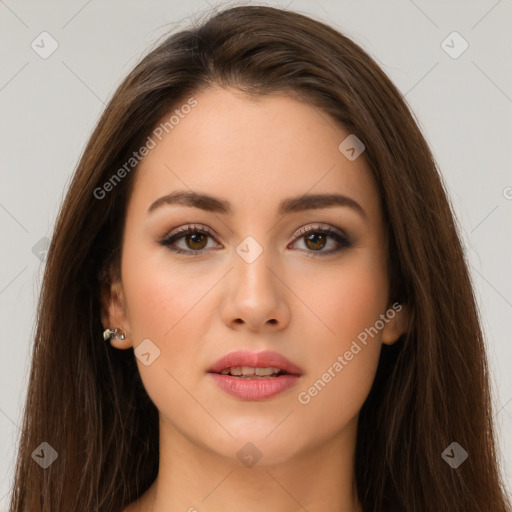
<point>254,389</point>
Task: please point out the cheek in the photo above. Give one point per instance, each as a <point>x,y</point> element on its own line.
<point>345,298</point>
<point>154,304</point>
<point>162,296</point>
<point>169,303</point>
<point>164,305</point>
<point>348,302</point>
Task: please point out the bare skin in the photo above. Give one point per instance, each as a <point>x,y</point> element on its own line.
<point>290,299</point>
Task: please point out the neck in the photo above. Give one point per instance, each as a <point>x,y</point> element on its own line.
<point>193,478</point>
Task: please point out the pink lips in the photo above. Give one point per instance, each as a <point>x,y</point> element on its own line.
<point>256,388</point>
<point>255,360</point>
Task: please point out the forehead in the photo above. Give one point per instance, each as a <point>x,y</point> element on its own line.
<point>252,151</point>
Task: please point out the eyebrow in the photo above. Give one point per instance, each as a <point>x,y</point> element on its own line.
<point>290,205</point>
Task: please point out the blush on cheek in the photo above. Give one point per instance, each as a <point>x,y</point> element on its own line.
<point>159,309</point>
<point>349,305</point>
<point>173,312</point>
<point>157,295</point>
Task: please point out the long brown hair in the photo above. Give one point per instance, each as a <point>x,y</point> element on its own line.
<point>86,399</point>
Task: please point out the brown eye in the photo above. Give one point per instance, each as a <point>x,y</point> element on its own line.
<point>315,241</point>
<point>197,241</point>
<point>190,240</point>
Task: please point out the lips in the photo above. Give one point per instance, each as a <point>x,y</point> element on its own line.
<point>265,359</point>
<point>236,375</point>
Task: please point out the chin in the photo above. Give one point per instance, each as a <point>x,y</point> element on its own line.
<point>261,445</point>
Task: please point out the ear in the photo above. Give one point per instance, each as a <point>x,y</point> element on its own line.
<point>397,316</point>
<point>113,312</point>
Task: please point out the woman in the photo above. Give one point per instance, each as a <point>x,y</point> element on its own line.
<point>259,218</point>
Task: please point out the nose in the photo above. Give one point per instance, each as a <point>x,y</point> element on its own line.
<point>256,296</point>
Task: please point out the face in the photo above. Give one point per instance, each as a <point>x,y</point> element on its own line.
<point>260,269</point>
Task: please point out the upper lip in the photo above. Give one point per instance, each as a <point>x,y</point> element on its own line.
<point>263,359</point>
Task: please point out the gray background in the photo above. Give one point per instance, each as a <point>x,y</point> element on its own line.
<point>49,107</point>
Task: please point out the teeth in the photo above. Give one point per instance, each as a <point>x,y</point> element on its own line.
<point>248,371</point>
<point>264,372</point>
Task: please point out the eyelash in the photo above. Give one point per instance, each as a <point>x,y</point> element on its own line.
<point>342,240</point>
